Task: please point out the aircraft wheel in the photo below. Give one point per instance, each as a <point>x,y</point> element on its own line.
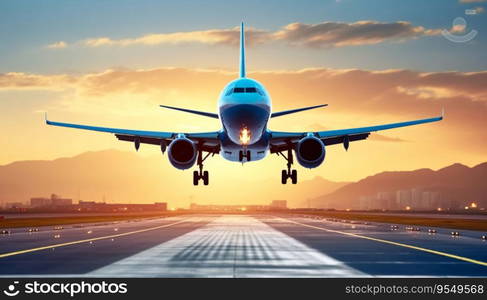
<point>283,176</point>
<point>196,178</point>
<point>294,176</point>
<point>206,178</point>
<point>240,155</point>
<point>248,155</point>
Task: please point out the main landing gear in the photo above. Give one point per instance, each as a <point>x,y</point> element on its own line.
<point>285,174</point>
<point>204,175</point>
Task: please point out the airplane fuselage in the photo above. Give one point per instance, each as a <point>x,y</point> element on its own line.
<point>244,109</point>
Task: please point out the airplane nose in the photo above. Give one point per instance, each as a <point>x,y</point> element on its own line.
<point>244,123</point>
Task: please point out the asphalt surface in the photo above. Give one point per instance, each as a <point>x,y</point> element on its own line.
<point>241,246</point>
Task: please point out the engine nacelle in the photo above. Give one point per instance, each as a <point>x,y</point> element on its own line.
<point>310,152</point>
<point>182,153</point>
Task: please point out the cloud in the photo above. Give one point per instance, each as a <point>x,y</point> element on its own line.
<point>25,81</point>
<point>57,45</point>
<point>211,37</point>
<point>368,85</point>
<point>377,97</point>
<point>322,35</point>
<point>337,34</point>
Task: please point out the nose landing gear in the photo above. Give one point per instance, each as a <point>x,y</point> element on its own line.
<point>244,154</point>
<point>285,174</point>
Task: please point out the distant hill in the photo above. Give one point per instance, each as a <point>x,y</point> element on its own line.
<point>128,177</point>
<point>456,182</point>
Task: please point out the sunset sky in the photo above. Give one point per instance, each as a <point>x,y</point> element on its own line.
<point>111,63</point>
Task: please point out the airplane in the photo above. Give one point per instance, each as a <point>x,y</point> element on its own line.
<point>244,110</point>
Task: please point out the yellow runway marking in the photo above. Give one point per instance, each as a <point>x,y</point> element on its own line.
<point>87,240</point>
<point>470,260</point>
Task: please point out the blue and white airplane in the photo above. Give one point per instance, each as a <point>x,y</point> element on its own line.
<point>244,112</point>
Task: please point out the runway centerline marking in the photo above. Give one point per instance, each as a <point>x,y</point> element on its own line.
<point>458,257</point>
<point>229,246</point>
<point>3,255</point>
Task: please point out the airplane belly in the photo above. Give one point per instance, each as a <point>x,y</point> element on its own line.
<point>231,151</point>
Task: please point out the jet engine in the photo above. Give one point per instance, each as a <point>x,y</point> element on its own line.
<point>182,153</point>
<point>310,152</point>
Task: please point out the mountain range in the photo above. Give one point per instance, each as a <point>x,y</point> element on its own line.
<point>456,182</point>
<point>118,176</point>
<point>126,177</point>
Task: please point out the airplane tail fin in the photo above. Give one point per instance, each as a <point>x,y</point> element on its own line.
<point>242,50</point>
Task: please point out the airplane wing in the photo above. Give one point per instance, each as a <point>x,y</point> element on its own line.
<point>292,111</point>
<point>215,116</point>
<point>191,111</point>
<point>207,140</point>
<point>283,140</point>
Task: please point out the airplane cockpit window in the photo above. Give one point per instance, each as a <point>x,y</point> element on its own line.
<point>244,90</point>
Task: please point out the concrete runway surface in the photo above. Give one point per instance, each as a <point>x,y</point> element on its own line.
<point>240,246</point>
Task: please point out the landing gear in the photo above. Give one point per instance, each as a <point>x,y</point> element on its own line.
<point>285,174</point>
<point>244,154</point>
<point>200,174</point>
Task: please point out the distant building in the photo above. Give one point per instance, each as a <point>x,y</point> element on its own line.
<point>81,202</point>
<point>403,198</point>
<point>364,203</point>
<point>161,205</point>
<point>58,201</point>
<point>387,200</point>
<point>92,206</point>
<point>278,204</point>
<point>39,202</point>
<point>228,208</point>
<point>416,198</point>
<point>431,200</point>
<point>11,205</point>
<point>55,200</point>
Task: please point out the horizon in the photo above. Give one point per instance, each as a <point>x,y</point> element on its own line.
<point>98,188</point>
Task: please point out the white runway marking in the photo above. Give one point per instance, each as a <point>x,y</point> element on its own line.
<point>230,246</point>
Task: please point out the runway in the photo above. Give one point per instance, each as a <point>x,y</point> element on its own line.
<point>241,246</point>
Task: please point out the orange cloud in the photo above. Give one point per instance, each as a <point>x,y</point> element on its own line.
<point>22,81</point>
<point>376,96</point>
